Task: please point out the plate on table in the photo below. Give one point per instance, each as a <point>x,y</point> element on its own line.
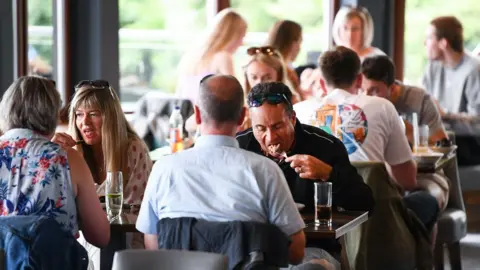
<point>446,151</point>
<point>428,158</point>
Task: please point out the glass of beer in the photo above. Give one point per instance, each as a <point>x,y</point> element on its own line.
<point>114,194</point>
<point>323,203</point>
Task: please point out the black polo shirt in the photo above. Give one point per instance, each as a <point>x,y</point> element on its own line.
<point>348,189</point>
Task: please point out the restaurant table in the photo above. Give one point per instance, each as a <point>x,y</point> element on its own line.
<point>342,223</point>
<point>437,166</point>
<point>118,237</point>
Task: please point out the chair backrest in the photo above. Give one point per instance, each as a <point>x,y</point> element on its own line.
<point>152,114</point>
<point>451,171</point>
<point>38,242</point>
<point>168,259</point>
<point>384,241</point>
<point>247,244</point>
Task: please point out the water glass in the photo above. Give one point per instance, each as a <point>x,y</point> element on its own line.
<point>323,203</point>
<point>423,134</point>
<point>114,194</point>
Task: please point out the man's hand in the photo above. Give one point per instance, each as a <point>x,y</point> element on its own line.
<point>309,167</point>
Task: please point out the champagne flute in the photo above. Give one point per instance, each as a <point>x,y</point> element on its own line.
<point>114,194</point>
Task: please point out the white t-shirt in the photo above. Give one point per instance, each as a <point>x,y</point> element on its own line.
<point>369,127</point>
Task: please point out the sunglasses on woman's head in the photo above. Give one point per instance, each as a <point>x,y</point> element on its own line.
<point>97,84</point>
<point>258,100</point>
<point>267,50</point>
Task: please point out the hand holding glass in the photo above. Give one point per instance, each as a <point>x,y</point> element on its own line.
<point>114,194</point>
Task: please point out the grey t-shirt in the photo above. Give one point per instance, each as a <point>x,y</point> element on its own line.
<point>456,89</point>
<point>416,100</point>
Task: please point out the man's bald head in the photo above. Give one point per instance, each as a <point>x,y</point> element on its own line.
<point>221,99</point>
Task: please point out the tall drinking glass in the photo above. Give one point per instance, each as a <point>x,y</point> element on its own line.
<point>323,203</point>
<point>423,134</point>
<point>114,194</point>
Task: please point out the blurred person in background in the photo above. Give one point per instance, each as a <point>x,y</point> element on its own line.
<point>214,55</point>
<point>265,64</point>
<point>379,80</point>
<point>36,65</point>
<point>353,28</point>
<point>452,76</point>
<point>286,37</point>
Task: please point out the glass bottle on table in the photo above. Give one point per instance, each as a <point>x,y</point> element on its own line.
<point>176,130</point>
<point>114,194</point>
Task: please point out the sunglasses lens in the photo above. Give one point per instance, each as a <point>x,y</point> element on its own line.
<point>257,101</point>
<point>274,99</point>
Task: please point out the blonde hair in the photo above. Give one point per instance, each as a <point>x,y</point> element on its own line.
<point>347,13</point>
<point>228,26</point>
<point>117,134</point>
<point>275,61</point>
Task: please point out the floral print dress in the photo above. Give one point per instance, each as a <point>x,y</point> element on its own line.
<point>35,179</point>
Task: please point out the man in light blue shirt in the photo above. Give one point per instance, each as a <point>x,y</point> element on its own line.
<point>216,180</point>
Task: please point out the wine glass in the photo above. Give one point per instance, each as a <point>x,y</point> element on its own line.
<point>114,194</point>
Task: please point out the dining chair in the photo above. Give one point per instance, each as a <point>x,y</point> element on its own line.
<point>392,238</point>
<point>168,259</point>
<point>452,222</point>
<point>152,114</point>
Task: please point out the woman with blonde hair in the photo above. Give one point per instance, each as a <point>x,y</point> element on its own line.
<point>353,28</point>
<point>99,130</point>
<point>286,37</point>
<point>265,64</point>
<point>214,55</point>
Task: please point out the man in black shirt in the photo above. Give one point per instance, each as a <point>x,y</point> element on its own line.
<point>305,154</point>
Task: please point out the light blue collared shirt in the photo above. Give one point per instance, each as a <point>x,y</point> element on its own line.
<point>218,181</point>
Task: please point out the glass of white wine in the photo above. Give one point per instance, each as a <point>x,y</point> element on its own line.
<point>114,194</point>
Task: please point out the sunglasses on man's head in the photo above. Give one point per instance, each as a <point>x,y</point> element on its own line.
<point>97,84</point>
<point>268,50</point>
<point>258,100</point>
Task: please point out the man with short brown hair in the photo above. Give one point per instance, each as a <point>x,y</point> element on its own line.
<point>452,76</point>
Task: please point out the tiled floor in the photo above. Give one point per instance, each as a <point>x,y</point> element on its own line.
<point>470,248</point>
<point>470,245</point>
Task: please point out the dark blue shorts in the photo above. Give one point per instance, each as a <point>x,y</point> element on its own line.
<point>424,205</point>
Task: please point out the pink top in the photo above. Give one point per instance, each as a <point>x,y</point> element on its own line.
<point>139,165</point>
<point>188,86</point>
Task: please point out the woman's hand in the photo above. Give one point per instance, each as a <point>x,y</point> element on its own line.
<point>64,140</point>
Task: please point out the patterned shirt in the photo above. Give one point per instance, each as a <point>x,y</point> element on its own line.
<point>139,166</point>
<point>35,179</point>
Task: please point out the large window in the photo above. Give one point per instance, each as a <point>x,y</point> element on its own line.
<point>261,15</point>
<point>154,34</point>
<point>40,38</point>
<point>419,13</point>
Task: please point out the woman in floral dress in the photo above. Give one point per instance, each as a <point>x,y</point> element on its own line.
<point>38,177</point>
